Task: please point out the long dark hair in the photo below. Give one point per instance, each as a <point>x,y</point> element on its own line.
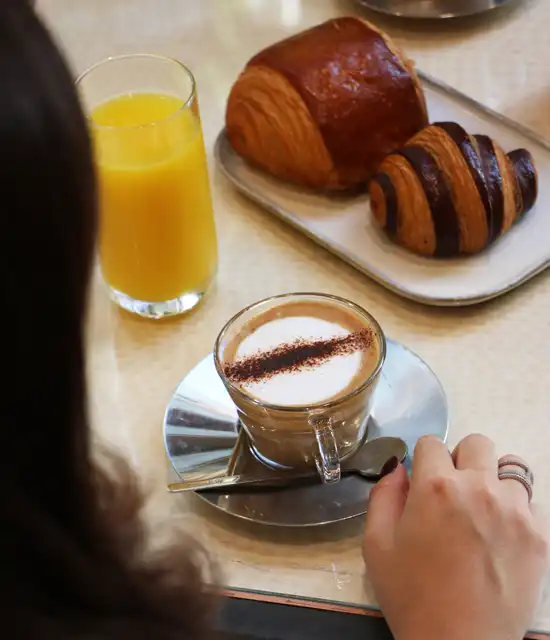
<point>73,555</point>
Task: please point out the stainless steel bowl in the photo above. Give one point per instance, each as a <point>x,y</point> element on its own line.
<point>433,8</point>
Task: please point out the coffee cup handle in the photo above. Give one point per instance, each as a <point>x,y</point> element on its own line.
<point>328,460</point>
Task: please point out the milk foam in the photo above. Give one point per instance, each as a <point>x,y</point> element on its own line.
<point>305,386</point>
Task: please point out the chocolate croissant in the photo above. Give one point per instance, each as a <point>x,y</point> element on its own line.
<point>324,107</point>
<point>447,193</point>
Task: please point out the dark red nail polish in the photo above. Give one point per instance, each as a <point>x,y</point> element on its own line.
<point>390,466</point>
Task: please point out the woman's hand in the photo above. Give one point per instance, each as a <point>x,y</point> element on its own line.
<point>456,553</point>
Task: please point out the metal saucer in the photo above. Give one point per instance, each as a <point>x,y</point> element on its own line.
<point>203,439</point>
<point>432,9</point>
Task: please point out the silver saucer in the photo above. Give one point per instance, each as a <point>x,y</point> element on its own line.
<point>430,9</point>
<point>203,439</point>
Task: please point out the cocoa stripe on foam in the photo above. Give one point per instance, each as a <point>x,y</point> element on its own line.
<point>462,140</point>
<point>438,194</point>
<point>526,177</point>
<point>390,197</point>
<point>295,356</point>
<point>493,180</point>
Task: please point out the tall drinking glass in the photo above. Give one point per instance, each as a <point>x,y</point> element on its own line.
<point>157,239</point>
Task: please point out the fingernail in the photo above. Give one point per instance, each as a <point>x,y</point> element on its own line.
<point>390,466</point>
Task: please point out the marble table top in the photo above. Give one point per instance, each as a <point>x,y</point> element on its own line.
<point>492,359</point>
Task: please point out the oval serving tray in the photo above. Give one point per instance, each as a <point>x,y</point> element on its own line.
<point>343,225</point>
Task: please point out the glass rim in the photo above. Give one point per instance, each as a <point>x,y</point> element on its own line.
<point>151,56</point>
<point>312,407</point>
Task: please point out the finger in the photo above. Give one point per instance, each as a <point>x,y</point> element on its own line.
<point>513,488</point>
<point>386,503</point>
<point>515,491</point>
<point>431,458</point>
<point>476,452</point>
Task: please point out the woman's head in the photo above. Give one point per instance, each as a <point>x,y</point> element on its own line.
<point>72,552</point>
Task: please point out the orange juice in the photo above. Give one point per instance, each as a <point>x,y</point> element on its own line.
<point>157,235</point>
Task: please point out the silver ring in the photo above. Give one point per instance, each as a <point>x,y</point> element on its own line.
<point>520,476</point>
<point>514,461</point>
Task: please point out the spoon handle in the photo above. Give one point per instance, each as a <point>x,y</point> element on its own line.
<point>236,484</point>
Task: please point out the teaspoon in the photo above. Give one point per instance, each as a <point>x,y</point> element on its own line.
<point>368,463</point>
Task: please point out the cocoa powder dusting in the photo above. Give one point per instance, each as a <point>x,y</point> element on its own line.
<point>295,356</point>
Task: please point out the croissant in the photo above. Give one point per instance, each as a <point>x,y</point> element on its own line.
<point>447,193</point>
<point>324,107</point>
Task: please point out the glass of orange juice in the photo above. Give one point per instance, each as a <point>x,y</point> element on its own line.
<point>157,238</point>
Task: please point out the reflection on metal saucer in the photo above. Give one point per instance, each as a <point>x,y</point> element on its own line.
<point>433,9</point>
<point>203,439</point>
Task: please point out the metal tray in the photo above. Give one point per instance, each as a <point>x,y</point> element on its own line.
<point>343,225</point>
<point>433,9</point>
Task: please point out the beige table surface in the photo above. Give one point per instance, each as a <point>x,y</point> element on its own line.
<point>492,359</point>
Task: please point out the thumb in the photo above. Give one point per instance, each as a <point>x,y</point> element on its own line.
<point>386,504</point>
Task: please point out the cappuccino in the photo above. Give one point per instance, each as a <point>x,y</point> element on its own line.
<point>302,354</point>
<point>302,369</point>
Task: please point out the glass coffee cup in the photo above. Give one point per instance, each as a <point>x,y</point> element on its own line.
<point>302,369</point>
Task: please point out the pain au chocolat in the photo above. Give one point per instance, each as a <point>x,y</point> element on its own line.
<point>447,193</point>
<point>324,107</point>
